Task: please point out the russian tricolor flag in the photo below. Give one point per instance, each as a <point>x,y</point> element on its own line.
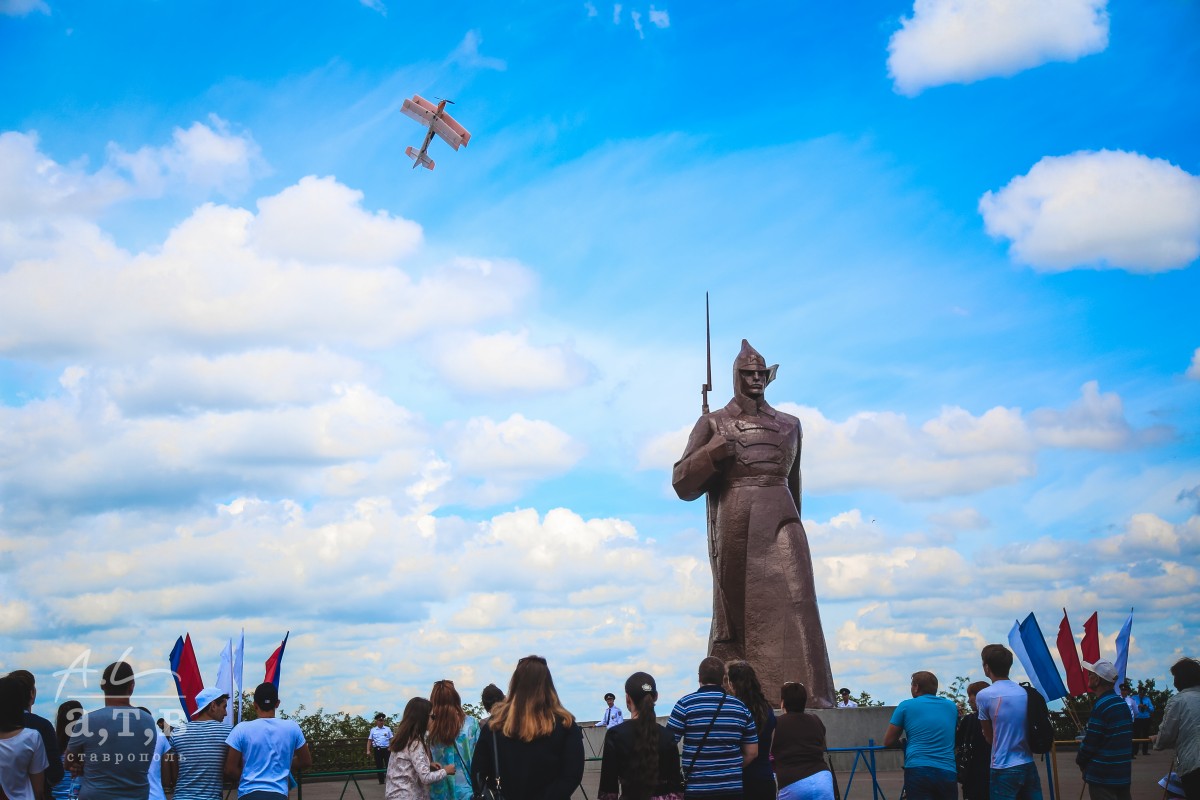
<point>186,673</point>
<point>275,663</point>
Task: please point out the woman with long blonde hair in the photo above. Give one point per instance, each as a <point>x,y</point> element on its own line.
<point>531,746</point>
<point>452,737</point>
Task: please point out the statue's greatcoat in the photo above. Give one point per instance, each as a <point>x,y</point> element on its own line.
<point>764,601</point>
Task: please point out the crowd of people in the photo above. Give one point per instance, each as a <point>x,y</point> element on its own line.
<point>991,751</point>
<point>734,744</point>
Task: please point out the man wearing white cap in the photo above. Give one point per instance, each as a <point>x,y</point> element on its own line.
<point>199,748</point>
<point>1104,754</point>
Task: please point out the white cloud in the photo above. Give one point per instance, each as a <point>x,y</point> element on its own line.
<point>887,642</point>
<point>590,8</point>
<point>899,572</point>
<point>664,450</point>
<point>505,363</point>
<point>172,384</point>
<point>506,455</point>
<point>955,453</point>
<point>960,519</point>
<point>208,157</point>
<point>1193,371</point>
<point>19,8</point>
<point>78,451</point>
<point>616,14</point>
<point>322,221</point>
<point>961,41</point>
<point>467,54</point>
<point>1103,210</point>
<point>217,284</point>
<point>636,16</point>
<point>33,184</point>
<point>375,5</point>
<point>660,19</point>
<point>1097,421</point>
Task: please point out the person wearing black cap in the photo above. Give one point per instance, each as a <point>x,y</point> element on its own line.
<point>845,701</point>
<point>612,715</point>
<point>640,758</point>
<point>377,744</point>
<point>263,752</point>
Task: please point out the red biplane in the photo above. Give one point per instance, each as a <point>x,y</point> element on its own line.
<point>438,121</point>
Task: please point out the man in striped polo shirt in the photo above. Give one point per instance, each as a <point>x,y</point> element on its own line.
<point>718,736</point>
<point>199,748</point>
<point>1105,752</point>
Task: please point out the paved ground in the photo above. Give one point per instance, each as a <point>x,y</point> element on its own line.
<point>1146,772</point>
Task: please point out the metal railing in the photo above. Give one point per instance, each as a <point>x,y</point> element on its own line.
<point>867,756</point>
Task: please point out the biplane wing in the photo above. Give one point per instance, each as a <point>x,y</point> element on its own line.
<point>429,115</point>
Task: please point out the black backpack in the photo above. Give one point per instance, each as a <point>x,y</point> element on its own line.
<point>1039,730</point>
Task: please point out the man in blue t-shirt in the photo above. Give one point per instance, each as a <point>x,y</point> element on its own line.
<point>263,752</point>
<point>719,737</point>
<point>114,745</point>
<point>928,721</point>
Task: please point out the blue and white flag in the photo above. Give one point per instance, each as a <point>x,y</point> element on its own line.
<point>1029,646</point>
<point>237,677</point>
<point>1122,659</point>
<point>225,670</point>
<point>1018,647</point>
<point>1038,651</point>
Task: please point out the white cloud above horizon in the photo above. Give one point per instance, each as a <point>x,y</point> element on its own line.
<point>19,8</point>
<point>225,278</point>
<point>955,453</point>
<point>1101,210</point>
<point>507,363</point>
<point>467,54</point>
<point>962,41</point>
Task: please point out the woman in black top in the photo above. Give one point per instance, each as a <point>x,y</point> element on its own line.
<point>758,778</point>
<point>972,753</point>
<point>799,750</point>
<point>641,759</point>
<point>531,745</point>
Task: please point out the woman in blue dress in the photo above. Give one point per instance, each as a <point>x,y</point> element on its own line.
<point>452,737</point>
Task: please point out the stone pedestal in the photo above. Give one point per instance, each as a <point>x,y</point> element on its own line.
<point>844,727</point>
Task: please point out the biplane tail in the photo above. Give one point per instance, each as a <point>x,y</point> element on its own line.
<point>418,158</point>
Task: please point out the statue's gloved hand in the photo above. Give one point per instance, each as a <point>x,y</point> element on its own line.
<point>721,449</point>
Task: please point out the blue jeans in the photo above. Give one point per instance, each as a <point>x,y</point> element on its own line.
<point>930,783</point>
<point>1016,783</point>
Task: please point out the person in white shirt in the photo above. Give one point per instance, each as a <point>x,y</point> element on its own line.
<point>845,701</point>
<point>377,744</point>
<point>22,756</point>
<point>1129,699</point>
<point>198,748</point>
<point>1003,707</point>
<point>612,715</point>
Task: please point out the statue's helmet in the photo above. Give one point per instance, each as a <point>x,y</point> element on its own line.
<point>749,358</point>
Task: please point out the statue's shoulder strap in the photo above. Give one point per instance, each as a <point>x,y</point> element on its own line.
<point>720,419</point>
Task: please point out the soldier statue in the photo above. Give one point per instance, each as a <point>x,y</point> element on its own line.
<point>746,458</point>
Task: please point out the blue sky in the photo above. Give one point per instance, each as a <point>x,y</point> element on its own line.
<point>255,371</point>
